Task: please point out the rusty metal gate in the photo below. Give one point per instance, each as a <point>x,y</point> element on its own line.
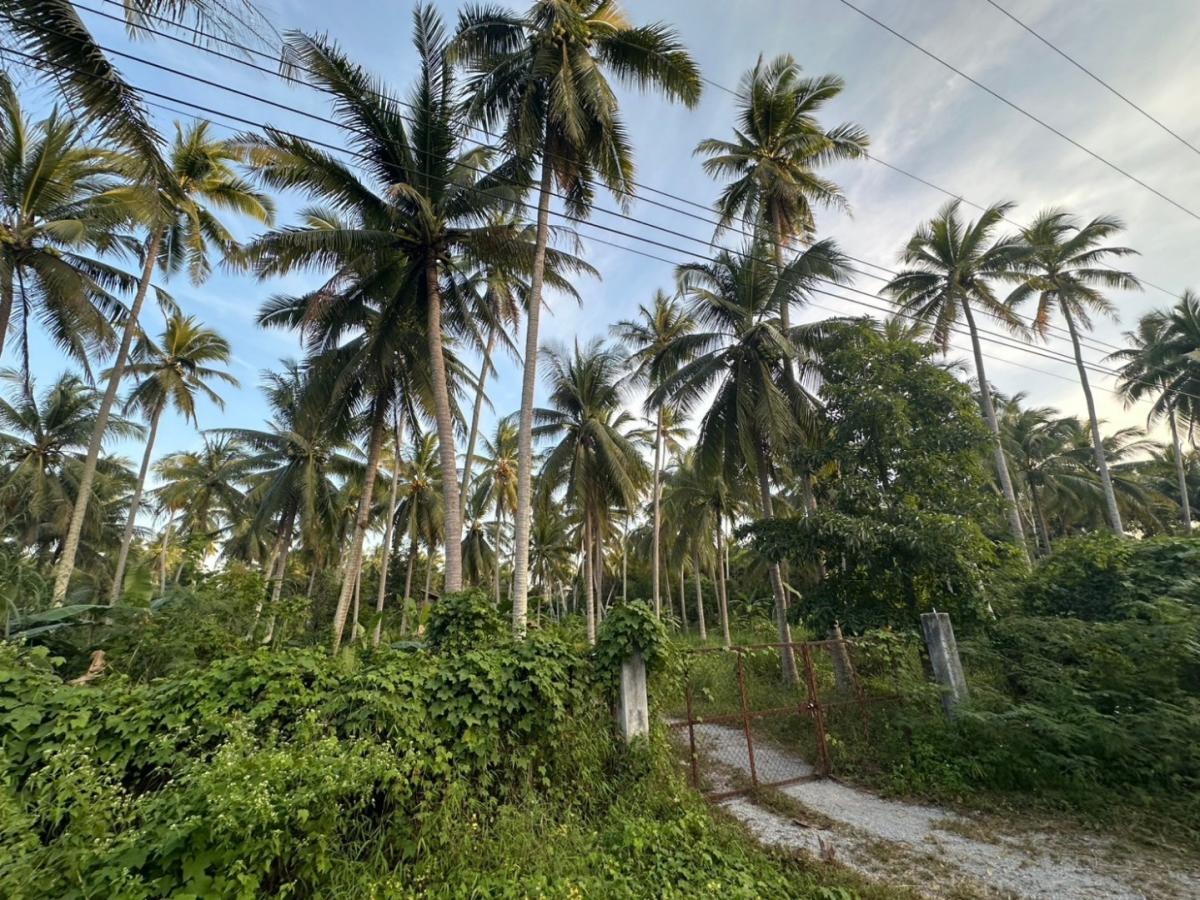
<point>768,715</point>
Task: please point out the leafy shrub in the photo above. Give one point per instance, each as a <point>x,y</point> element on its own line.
<point>1100,576</point>
<point>489,772</point>
<point>462,620</point>
<point>631,628</point>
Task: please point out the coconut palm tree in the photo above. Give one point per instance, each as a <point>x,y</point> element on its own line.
<point>50,35</point>
<point>420,513</point>
<point>406,231</point>
<point>42,441</point>
<point>173,372</point>
<point>778,145</point>
<point>1160,364</point>
<point>205,488</point>
<point>653,341</point>
<point>742,352</point>
<point>54,221</point>
<point>950,266</point>
<point>295,459</point>
<point>1065,274</point>
<point>503,296</point>
<point>552,548</point>
<point>593,456</point>
<point>181,231</point>
<point>497,486</point>
<point>542,75</point>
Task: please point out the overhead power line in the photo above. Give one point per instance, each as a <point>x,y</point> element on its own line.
<point>984,335</point>
<point>1096,78</point>
<point>1020,109</point>
<point>1090,342</point>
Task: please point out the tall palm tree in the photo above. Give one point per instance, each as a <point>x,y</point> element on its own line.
<point>181,231</point>
<point>777,148</point>
<point>50,35</point>
<point>498,485</point>
<point>1161,364</point>
<point>42,442</point>
<point>407,230</point>
<point>420,514</point>
<point>543,76</point>
<point>653,339</point>
<point>698,502</point>
<point>54,220</point>
<point>595,459</point>
<point>552,549</point>
<point>743,353</point>
<point>950,267</point>
<point>205,487</point>
<point>1065,273</point>
<point>295,459</point>
<point>173,372</point>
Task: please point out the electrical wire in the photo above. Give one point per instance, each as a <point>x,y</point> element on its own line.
<point>984,335</point>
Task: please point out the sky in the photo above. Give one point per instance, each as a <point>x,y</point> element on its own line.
<point>920,116</point>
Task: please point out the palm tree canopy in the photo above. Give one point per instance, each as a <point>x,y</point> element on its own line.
<point>1065,268</point>
<point>55,224</point>
<point>595,458</point>
<point>949,263</point>
<point>778,144</point>
<point>542,76</point>
<point>175,369</point>
<point>1161,362</point>
<point>741,351</point>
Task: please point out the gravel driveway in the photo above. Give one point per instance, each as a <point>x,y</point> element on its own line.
<point>938,852</point>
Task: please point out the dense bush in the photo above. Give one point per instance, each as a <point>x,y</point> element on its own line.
<point>486,771</point>
<point>1101,576</point>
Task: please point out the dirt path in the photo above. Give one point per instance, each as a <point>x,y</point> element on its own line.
<point>937,852</point>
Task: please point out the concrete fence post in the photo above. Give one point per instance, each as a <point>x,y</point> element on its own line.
<point>633,706</point>
<point>943,655</point>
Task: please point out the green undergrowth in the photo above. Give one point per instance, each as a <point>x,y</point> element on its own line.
<point>1086,707</point>
<point>479,768</point>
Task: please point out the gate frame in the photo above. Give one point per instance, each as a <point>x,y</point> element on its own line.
<point>811,706</point>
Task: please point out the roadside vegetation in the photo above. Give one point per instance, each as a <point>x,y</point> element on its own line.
<point>367,647</point>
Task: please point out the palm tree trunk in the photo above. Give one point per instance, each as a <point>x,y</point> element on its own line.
<point>588,581</point>
<point>786,660</point>
<point>389,529</point>
<point>496,543</point>
<point>283,546</point>
<point>428,584</point>
<point>700,620</point>
<point>162,560</point>
<point>1110,497</point>
<point>524,511</point>
<point>476,414</point>
<point>1185,507</point>
<point>1043,527</point>
<point>66,564</point>
<point>445,428</point>
<point>357,602</point>
<point>998,457</point>
<point>412,558</point>
<point>683,616</point>
<point>722,597</point>
<point>625,567</point>
<point>134,504</point>
<point>362,518</point>
<point>6,305</point>
<point>658,448</point>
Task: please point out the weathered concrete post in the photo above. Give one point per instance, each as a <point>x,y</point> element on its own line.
<point>843,672</point>
<point>943,654</point>
<point>633,706</point>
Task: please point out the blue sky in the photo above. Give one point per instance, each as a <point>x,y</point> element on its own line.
<point>920,117</point>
